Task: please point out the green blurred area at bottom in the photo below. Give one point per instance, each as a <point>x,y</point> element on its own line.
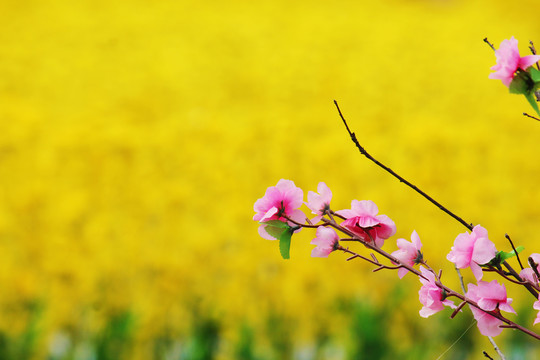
<point>369,330</point>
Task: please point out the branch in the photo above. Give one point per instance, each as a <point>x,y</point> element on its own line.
<point>426,196</point>
<point>393,173</point>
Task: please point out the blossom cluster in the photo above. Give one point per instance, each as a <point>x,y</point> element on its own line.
<point>279,215</point>
<point>517,72</point>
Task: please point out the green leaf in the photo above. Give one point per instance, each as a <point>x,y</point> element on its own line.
<point>282,231</point>
<point>507,255</point>
<point>277,223</point>
<point>275,227</point>
<point>521,84</point>
<point>274,231</point>
<point>285,243</point>
<point>535,74</point>
<point>531,99</point>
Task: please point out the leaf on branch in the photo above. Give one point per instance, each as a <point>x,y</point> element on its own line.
<point>502,256</point>
<point>275,227</point>
<point>282,231</point>
<point>507,255</point>
<point>521,83</point>
<point>285,243</point>
<point>535,74</point>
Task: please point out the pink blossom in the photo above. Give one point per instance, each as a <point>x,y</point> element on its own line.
<point>319,203</point>
<point>487,324</point>
<point>279,202</point>
<point>509,61</point>
<point>362,218</point>
<point>472,250</point>
<point>492,296</point>
<point>536,306</point>
<point>430,295</point>
<point>408,253</point>
<point>528,273</point>
<point>327,240</point>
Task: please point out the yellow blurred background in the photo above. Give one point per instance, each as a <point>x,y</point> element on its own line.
<point>136,136</point>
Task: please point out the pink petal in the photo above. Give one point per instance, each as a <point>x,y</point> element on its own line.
<point>402,272</point>
<point>347,213</point>
<point>487,324</point>
<point>325,191</point>
<point>427,312</point>
<point>325,236</point>
<point>506,307</point>
<point>484,250</point>
<point>271,212</point>
<point>321,252</point>
<point>536,258</point>
<point>492,290</point>
<point>476,270</point>
<point>298,216</point>
<point>316,219</point>
<point>528,61</point>
<point>449,303</point>
<point>366,221</point>
<point>416,240</point>
<point>478,232</point>
<point>387,227</point>
<point>487,304</point>
<point>364,207</point>
<point>379,242</point>
<point>528,274</point>
<point>405,245</point>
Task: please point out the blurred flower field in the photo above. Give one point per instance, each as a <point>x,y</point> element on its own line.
<point>136,136</point>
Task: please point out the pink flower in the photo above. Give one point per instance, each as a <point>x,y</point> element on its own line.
<point>492,296</point>
<point>536,306</point>
<point>528,273</point>
<point>280,201</point>
<point>509,61</point>
<point>319,203</point>
<point>327,240</point>
<point>362,218</point>
<point>489,296</point>
<point>408,253</point>
<point>472,250</point>
<point>431,296</point>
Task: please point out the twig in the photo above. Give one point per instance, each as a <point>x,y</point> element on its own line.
<point>458,309</point>
<point>426,196</point>
<point>497,314</point>
<point>505,276</point>
<point>532,117</point>
<point>534,267</point>
<point>518,278</point>
<point>515,251</point>
<point>486,355</point>
<point>533,51</point>
<point>501,355</point>
<point>490,44</point>
<point>401,179</point>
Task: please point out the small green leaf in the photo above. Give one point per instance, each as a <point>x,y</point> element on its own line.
<point>535,74</point>
<point>285,243</point>
<point>507,255</point>
<point>275,227</point>
<point>521,84</point>
<point>282,231</point>
<point>531,99</point>
<point>276,223</point>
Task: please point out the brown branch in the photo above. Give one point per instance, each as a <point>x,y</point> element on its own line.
<point>397,176</point>
<point>515,251</point>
